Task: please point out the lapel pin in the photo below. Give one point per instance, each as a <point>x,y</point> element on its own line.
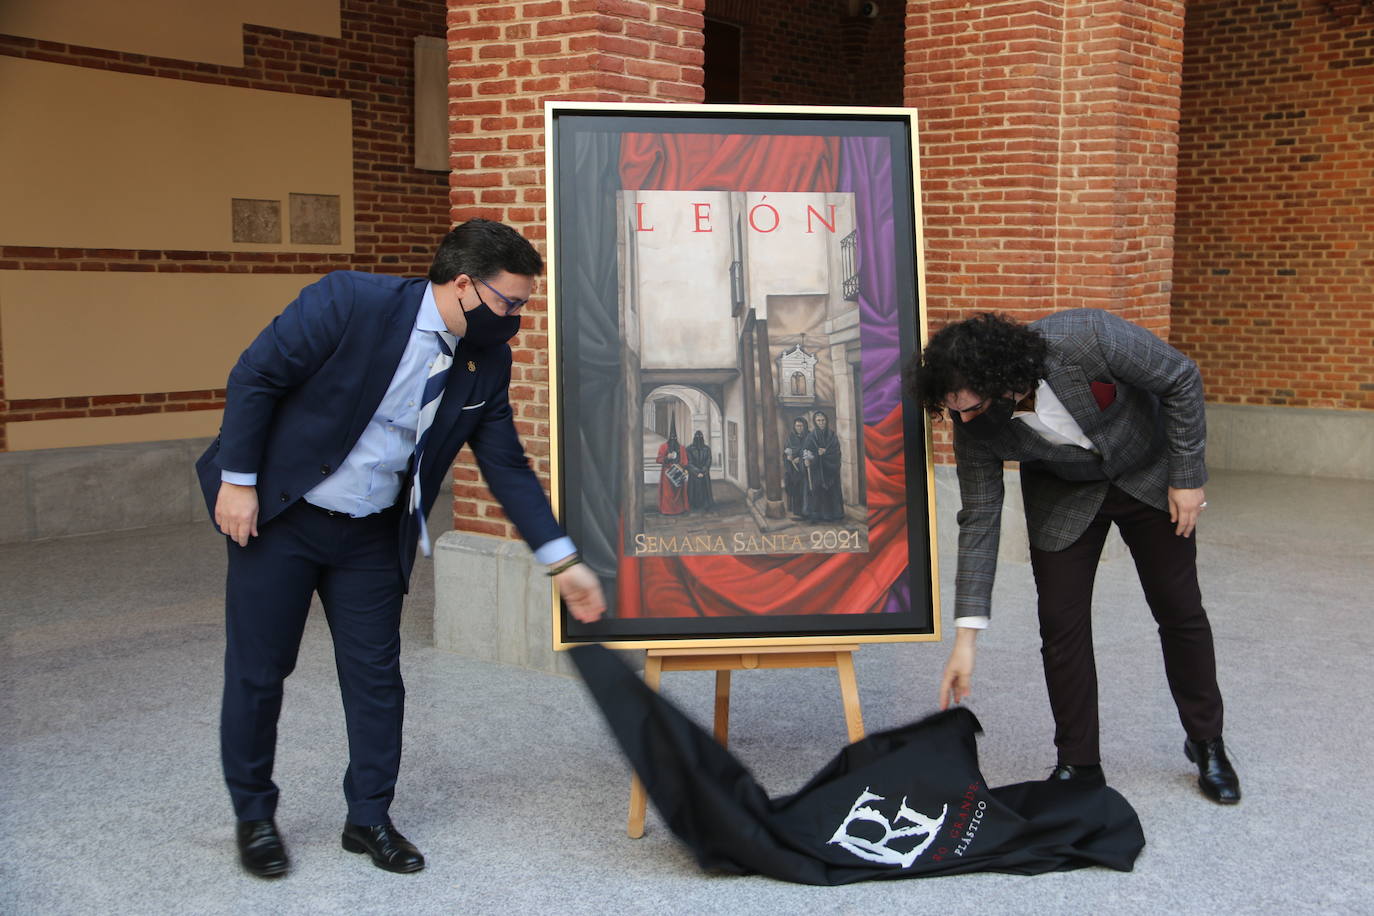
<point>472,367</point>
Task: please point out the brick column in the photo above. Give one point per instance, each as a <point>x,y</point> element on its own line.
<point>1276,205</point>
<point>1049,150</point>
<point>505,60</point>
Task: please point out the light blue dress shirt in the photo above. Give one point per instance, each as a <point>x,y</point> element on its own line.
<point>369,479</point>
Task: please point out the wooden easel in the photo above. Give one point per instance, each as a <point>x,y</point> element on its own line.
<point>722,662</point>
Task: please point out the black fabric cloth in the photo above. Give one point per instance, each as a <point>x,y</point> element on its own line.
<point>904,803</point>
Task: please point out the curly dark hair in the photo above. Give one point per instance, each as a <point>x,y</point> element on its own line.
<point>988,354</point>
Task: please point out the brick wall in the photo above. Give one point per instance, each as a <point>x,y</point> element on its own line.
<point>1048,153</point>
<point>1048,146</point>
<point>505,60</point>
<point>816,52</point>
<point>400,211</point>
<point>1274,268</point>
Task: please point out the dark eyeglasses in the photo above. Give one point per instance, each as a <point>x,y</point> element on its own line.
<point>512,305</point>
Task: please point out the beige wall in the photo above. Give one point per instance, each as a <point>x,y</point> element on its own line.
<point>78,333</point>
<point>75,333</point>
<point>211,32</point>
<point>148,427</point>
<point>94,159</point>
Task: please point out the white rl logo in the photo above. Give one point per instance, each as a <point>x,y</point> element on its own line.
<point>880,850</point>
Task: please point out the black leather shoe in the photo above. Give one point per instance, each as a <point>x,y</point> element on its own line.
<point>385,845</point>
<point>1215,776</point>
<point>1087,774</point>
<point>261,850</point>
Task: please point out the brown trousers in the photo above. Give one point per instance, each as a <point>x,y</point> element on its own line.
<point>1167,566</point>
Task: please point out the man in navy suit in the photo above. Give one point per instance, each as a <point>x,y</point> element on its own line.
<point>313,480</point>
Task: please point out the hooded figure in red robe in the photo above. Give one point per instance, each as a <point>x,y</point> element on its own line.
<point>672,474</point>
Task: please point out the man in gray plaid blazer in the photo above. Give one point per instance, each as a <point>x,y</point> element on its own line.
<point>1108,425</point>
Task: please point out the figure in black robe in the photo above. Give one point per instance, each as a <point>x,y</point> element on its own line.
<point>699,495</point>
<point>793,470</point>
<point>821,455</point>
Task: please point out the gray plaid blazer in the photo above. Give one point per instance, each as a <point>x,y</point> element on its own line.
<point>1150,438</point>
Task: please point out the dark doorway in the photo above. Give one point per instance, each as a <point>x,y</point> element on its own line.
<point>723,50</point>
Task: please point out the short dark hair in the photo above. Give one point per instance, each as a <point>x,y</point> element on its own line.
<point>987,354</point>
<point>483,248</point>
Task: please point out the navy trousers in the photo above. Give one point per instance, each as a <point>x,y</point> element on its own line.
<point>353,565</point>
<point>1167,566</point>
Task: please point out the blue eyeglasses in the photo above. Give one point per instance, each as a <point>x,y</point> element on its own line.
<point>513,306</point>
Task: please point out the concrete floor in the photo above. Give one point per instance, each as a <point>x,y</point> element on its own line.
<point>111,800</point>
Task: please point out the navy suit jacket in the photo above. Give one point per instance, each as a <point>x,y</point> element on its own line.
<point>303,392</point>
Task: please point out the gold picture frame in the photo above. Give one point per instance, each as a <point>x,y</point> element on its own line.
<point>747,280</point>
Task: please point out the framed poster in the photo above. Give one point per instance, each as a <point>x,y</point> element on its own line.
<point>733,293</point>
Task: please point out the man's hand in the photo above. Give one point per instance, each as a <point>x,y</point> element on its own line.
<point>957,682</point>
<point>1184,508</point>
<point>236,512</point>
<point>581,589</point>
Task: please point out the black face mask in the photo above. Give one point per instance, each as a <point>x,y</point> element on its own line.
<point>991,421</point>
<point>488,329</point>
